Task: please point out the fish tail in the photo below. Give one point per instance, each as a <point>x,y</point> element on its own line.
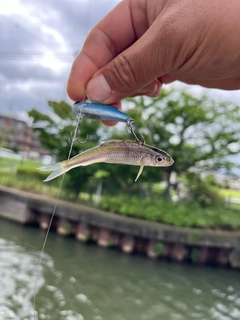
<point>58,169</point>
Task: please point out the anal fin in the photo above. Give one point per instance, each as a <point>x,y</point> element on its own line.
<point>139,172</point>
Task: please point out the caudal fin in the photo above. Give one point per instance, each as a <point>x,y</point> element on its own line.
<point>56,168</point>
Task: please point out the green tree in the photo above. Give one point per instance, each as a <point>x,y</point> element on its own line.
<point>54,133</point>
<point>202,192</point>
<point>199,133</point>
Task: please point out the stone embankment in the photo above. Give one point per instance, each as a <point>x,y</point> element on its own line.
<point>155,240</point>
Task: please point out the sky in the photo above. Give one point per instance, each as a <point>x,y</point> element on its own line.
<point>38,43</point>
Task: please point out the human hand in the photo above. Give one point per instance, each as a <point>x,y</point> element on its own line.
<point>141,44</point>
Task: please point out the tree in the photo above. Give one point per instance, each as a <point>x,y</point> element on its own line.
<point>54,133</point>
<point>199,133</point>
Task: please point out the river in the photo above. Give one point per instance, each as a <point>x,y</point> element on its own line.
<point>85,282</point>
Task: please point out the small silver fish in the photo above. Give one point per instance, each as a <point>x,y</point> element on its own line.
<point>114,151</point>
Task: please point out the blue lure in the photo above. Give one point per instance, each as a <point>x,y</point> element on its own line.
<point>97,111</point>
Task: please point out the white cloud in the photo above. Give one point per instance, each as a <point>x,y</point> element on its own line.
<point>50,61</point>
<point>40,41</point>
<point>12,7</point>
<point>54,33</point>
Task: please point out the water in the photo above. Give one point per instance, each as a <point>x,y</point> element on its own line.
<point>78,282</point>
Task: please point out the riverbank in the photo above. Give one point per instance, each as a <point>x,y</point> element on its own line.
<point>131,235</point>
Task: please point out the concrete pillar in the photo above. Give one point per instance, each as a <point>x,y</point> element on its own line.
<point>64,227</point>
<point>178,252</point>
<point>127,244</point>
<point>150,250</point>
<point>200,255</point>
<point>222,257</point>
<point>13,206</point>
<point>44,221</point>
<point>104,238</point>
<point>235,258</point>
<point>82,232</point>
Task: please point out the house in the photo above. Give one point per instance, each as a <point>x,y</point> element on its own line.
<point>16,134</point>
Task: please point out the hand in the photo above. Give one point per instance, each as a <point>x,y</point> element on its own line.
<point>141,44</point>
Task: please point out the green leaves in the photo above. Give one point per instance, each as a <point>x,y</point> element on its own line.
<point>195,131</point>
<point>198,133</point>
<point>177,214</point>
<point>62,109</point>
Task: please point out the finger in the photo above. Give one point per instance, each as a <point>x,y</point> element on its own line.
<point>226,84</point>
<point>151,90</point>
<point>112,123</point>
<point>109,123</point>
<point>110,36</point>
<point>232,83</point>
<point>154,54</point>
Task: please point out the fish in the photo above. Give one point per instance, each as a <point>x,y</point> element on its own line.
<point>114,151</point>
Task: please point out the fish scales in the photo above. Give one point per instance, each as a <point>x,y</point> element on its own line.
<point>117,154</point>
<point>114,151</point>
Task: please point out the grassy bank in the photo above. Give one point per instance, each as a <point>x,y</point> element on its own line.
<point>184,214</point>
<point>24,176</point>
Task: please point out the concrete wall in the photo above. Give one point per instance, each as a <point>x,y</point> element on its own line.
<point>107,229</point>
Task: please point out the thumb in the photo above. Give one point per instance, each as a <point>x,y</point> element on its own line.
<point>136,69</point>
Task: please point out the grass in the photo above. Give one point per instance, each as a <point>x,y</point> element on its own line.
<point>9,162</point>
<point>229,193</point>
<point>24,176</point>
<point>183,214</point>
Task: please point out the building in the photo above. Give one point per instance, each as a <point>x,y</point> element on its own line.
<point>16,134</point>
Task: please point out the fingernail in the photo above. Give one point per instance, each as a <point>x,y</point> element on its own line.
<point>151,89</point>
<point>98,89</point>
<point>144,90</point>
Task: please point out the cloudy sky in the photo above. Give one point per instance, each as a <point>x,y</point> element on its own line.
<point>38,43</point>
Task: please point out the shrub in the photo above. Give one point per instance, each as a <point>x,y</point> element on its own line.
<point>182,214</point>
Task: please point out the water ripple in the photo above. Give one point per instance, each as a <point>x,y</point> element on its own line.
<point>17,275</point>
<point>81,282</point>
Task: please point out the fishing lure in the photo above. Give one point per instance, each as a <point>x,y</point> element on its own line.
<point>114,151</point>
<point>97,111</point>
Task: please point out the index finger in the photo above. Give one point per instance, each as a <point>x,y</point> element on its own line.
<point>110,36</point>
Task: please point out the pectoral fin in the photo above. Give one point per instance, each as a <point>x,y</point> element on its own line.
<point>139,172</point>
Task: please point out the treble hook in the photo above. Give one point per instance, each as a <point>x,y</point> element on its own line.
<point>130,127</point>
<point>76,132</point>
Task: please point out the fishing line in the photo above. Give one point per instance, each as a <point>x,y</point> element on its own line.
<point>50,223</point>
<point>79,117</point>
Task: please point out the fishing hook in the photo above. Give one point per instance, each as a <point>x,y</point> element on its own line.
<point>130,127</point>
<point>98,111</point>
<point>76,132</point>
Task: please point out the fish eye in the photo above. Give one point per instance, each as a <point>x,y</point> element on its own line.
<point>159,159</point>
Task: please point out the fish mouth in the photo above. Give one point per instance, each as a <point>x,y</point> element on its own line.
<point>170,162</point>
